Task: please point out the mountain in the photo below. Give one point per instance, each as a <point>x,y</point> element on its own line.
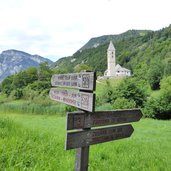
<point>133,48</point>
<point>97,41</point>
<point>13,61</point>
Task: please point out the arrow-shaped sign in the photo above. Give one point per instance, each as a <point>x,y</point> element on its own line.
<point>78,120</point>
<point>82,81</point>
<point>90,137</point>
<point>80,100</point>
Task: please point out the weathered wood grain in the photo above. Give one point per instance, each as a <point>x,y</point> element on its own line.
<point>81,100</point>
<point>90,137</point>
<point>78,120</point>
<point>82,81</point>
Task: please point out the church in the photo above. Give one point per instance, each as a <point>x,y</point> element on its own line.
<point>114,70</point>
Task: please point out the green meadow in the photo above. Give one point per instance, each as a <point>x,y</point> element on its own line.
<point>36,142</point>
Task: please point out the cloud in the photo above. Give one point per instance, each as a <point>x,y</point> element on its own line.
<point>60,28</point>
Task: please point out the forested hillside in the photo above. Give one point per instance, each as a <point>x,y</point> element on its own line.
<point>131,52</point>
<point>95,42</point>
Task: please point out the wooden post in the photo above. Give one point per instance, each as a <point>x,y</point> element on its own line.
<point>82,154</point>
<point>82,158</point>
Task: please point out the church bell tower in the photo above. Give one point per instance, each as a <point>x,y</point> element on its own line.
<point>111,60</point>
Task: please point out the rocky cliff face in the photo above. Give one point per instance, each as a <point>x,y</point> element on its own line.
<point>13,61</point>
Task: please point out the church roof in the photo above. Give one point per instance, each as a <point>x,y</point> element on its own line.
<point>111,46</point>
<point>119,68</point>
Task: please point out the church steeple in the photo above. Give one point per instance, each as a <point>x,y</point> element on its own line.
<point>111,47</point>
<point>114,70</point>
<point>111,60</point>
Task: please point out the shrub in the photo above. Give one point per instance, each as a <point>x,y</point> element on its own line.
<point>122,103</point>
<point>70,108</point>
<point>155,74</point>
<point>160,107</point>
<point>16,94</point>
<point>107,94</point>
<point>129,89</point>
<point>165,85</point>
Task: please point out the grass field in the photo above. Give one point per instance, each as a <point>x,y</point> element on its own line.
<point>36,142</point>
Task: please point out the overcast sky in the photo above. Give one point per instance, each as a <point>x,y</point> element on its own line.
<point>58,28</point>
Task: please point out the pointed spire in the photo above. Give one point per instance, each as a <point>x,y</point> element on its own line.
<point>111,46</point>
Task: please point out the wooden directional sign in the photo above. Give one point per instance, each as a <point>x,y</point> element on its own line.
<point>78,120</point>
<point>80,100</point>
<point>90,137</point>
<point>82,81</point>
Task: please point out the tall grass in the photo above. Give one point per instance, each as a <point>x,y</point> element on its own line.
<point>36,142</point>
<point>25,149</point>
<point>32,108</point>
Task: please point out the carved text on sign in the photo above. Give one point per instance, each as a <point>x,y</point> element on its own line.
<point>95,136</point>
<point>82,81</point>
<point>80,100</point>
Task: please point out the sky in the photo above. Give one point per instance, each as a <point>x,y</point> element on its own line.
<point>58,28</point>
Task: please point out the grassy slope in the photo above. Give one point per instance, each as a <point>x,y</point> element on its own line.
<point>34,142</point>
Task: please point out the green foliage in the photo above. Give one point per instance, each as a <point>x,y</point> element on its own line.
<point>123,103</point>
<point>155,74</point>
<point>160,107</point>
<point>16,94</point>
<point>140,71</point>
<point>6,85</point>
<point>166,87</point>
<point>167,69</point>
<point>106,94</point>
<point>94,58</point>
<point>130,90</point>
<point>70,108</point>
<point>128,93</point>
<point>115,38</point>
<point>39,86</point>
<point>44,72</point>
<point>33,80</point>
<point>135,51</point>
<point>31,75</point>
<point>82,67</point>
<point>59,71</point>
<point>104,106</point>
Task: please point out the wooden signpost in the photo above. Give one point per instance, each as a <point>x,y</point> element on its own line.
<point>78,120</point>
<point>96,136</point>
<point>82,81</point>
<point>81,100</point>
<point>88,118</point>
